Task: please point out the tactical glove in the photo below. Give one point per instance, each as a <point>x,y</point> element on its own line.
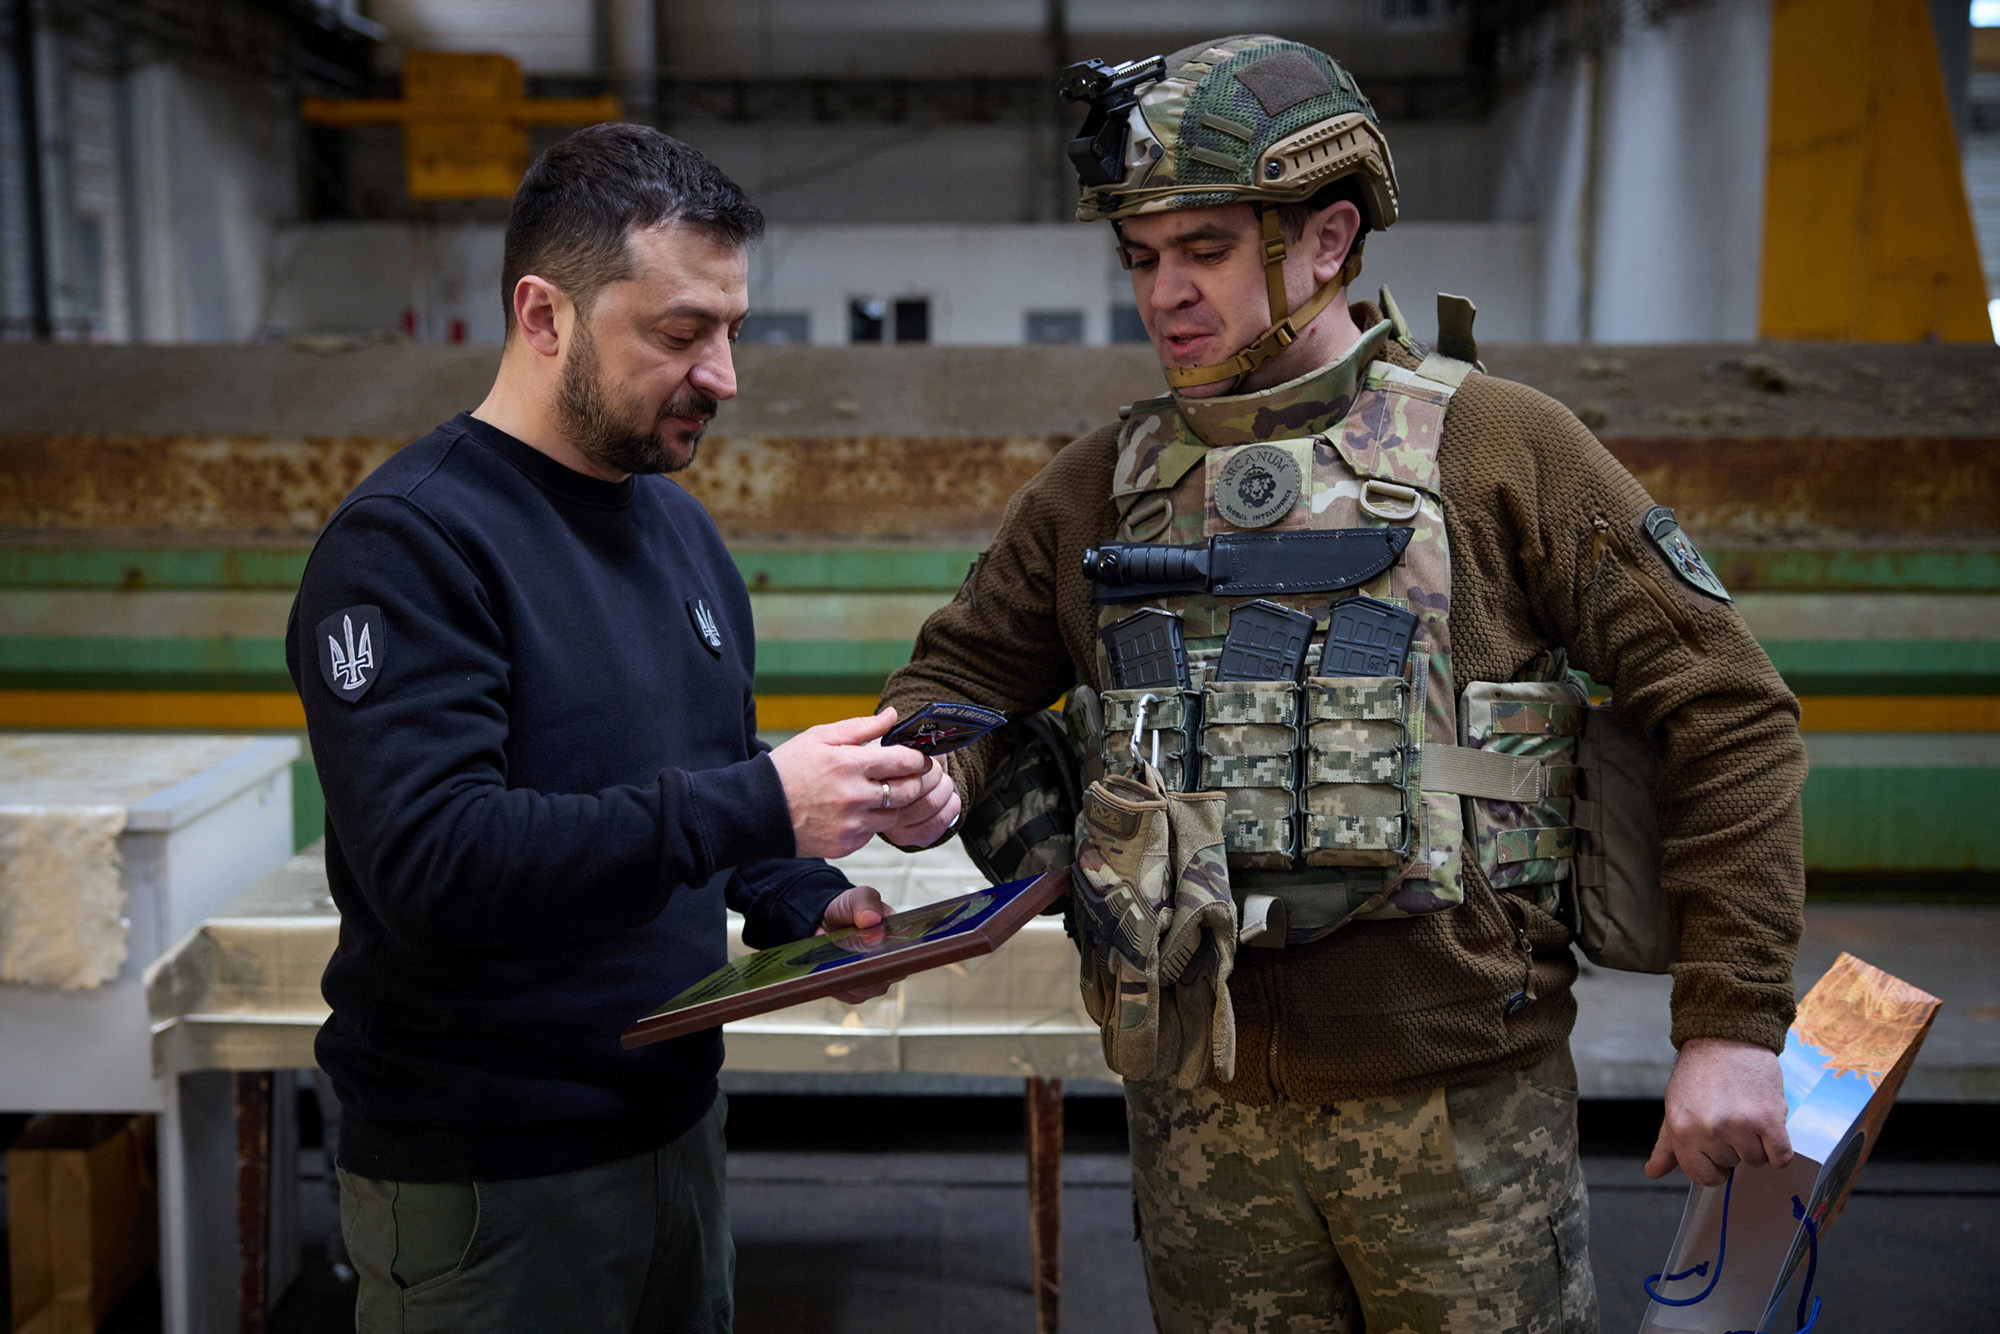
<point>1157,928</point>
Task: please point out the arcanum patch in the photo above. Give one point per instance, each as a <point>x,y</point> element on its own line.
<point>1257,486</point>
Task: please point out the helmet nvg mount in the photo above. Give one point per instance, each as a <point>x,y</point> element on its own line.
<point>1250,119</point>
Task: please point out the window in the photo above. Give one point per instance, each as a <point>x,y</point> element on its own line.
<point>864,319</point>
<point>777,326</point>
<point>1055,326</point>
<point>1413,12</point>
<point>1126,326</point>
<point>913,320</point>
<point>870,319</point>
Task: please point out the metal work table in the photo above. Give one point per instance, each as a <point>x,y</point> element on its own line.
<point>240,993</point>
<point>111,848</point>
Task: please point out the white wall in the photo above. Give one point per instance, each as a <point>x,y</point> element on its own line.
<point>353,278</point>
<point>887,38</point>
<point>15,300</point>
<point>216,178</point>
<point>980,281</point>
<point>546,36</point>
<point>439,282</point>
<point>1665,245</point>
<point>1541,180</point>
<point>840,165</point>
<point>1496,265</point>
<point>1982,176</point>
<point>802,172</point>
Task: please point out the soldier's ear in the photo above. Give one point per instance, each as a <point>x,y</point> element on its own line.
<point>1331,234</point>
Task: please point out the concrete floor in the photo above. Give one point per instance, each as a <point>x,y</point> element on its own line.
<point>878,1215</point>
<point>921,1223</point>
<point>889,1213</point>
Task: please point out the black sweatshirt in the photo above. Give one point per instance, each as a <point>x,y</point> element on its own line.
<point>542,783</point>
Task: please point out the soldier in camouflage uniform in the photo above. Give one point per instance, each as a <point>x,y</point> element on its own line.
<point>1389,1143</point>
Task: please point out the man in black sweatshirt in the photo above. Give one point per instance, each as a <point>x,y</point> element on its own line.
<point>527,665</point>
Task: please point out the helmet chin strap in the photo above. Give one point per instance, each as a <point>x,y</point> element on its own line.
<point>1286,324</point>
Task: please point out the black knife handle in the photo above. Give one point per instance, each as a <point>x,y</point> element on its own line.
<point>1121,564</point>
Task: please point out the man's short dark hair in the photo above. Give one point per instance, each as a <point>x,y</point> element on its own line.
<point>583,198</point>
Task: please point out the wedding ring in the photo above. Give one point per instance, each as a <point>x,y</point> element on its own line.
<point>885,796</point>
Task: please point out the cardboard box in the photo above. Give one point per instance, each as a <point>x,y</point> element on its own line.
<point>82,1219</point>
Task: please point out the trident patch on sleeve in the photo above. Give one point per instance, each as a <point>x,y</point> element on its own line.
<point>1680,552</point>
<point>350,650</point>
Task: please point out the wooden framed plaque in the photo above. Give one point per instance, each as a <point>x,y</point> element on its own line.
<point>907,942</point>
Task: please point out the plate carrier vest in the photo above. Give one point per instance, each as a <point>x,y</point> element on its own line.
<point>1344,793</point>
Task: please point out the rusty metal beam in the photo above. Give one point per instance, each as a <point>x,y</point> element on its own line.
<point>1044,1099</point>
<point>253,1196</point>
<point>1916,491</point>
<point>1913,492</point>
<point>332,390</point>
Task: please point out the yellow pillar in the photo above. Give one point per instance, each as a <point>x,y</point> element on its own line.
<point>1867,235</point>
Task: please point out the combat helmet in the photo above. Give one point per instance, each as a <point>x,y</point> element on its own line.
<point>1249,119</point>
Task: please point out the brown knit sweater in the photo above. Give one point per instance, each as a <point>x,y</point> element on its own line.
<point>1387,1007</point>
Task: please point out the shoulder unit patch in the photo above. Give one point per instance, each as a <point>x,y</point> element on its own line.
<point>1681,554</point>
<point>350,643</point>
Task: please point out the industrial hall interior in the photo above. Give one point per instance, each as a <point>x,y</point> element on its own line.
<point>857,666</point>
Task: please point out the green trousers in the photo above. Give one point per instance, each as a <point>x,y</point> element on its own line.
<point>640,1245</point>
<point>1460,1210</point>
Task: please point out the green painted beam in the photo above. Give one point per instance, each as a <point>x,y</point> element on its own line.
<point>854,569</point>
<point>849,569</point>
<point>1838,571</point>
<point>784,666</point>
<point>777,568</point>
<point>1810,667</point>
<point>244,567</point>
<point>308,804</point>
<point>1903,819</point>
<point>55,655</point>
<point>82,655</point>
<point>1887,667</point>
<point>1857,820</point>
<point>872,659</point>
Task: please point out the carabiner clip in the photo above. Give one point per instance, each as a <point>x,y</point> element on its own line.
<point>1139,732</point>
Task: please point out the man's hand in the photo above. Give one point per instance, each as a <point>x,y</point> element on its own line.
<point>843,789</point>
<point>930,817</point>
<point>1725,1105</point>
<point>858,907</point>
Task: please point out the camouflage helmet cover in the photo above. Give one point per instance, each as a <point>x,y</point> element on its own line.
<point>1247,119</point>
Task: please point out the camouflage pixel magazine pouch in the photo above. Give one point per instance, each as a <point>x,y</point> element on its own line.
<point>1529,845</point>
<point>1169,725</point>
<point>1249,757</point>
<point>1156,927</point>
<point>1356,799</point>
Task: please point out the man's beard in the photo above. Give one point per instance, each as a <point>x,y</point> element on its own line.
<point>608,436</point>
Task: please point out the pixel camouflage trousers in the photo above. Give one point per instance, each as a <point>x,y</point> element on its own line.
<point>1458,1210</point>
